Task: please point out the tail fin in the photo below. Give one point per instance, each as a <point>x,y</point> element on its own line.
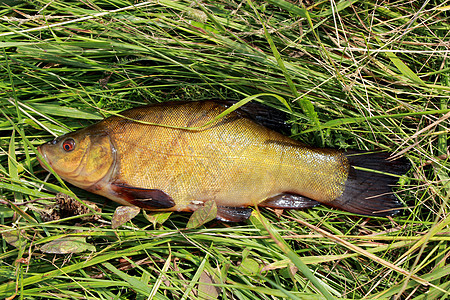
<point>369,193</point>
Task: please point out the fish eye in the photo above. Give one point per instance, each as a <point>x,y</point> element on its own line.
<point>68,145</point>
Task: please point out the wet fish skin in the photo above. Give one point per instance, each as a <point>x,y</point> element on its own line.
<point>89,162</point>
<point>234,161</point>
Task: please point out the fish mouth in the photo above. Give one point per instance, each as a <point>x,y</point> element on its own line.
<point>39,149</point>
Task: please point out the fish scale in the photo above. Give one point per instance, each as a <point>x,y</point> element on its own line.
<point>235,161</point>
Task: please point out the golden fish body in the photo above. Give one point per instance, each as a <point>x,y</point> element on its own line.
<point>234,161</point>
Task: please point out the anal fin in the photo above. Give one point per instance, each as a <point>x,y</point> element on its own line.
<point>233,214</point>
<point>289,201</point>
<point>144,198</point>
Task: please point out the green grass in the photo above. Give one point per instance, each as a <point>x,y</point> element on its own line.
<point>357,75</point>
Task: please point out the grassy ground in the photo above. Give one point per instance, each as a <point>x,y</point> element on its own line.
<point>358,75</point>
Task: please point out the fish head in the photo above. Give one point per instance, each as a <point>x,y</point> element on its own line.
<point>82,158</point>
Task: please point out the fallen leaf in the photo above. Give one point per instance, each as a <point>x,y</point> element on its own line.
<point>14,238</point>
<point>293,270</point>
<point>206,290</point>
<point>6,211</point>
<point>124,214</point>
<point>203,214</point>
<point>68,244</point>
<point>249,266</point>
<point>157,217</point>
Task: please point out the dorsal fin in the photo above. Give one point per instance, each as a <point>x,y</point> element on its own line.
<point>264,115</point>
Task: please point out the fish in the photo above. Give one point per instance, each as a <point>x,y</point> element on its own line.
<point>175,156</point>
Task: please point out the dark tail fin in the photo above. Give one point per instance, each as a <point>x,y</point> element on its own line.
<point>368,192</point>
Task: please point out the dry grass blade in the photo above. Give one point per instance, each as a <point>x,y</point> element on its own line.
<point>367,254</point>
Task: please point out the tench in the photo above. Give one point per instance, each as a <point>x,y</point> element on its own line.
<point>235,161</point>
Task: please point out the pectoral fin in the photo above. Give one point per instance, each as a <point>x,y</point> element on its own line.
<point>233,214</point>
<point>144,198</point>
<point>289,201</point>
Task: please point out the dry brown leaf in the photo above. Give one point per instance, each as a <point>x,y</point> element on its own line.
<point>206,289</point>
<point>124,214</point>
